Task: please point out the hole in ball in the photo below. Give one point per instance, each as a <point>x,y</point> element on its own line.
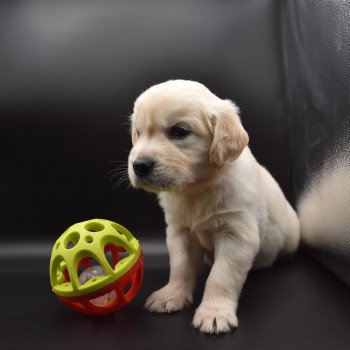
<point>123,255</point>
<point>127,287</point>
<point>105,300</point>
<point>86,263</point>
<point>115,226</point>
<point>88,239</point>
<point>94,227</point>
<point>72,240</point>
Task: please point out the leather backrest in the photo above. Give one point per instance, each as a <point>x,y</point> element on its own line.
<point>70,71</point>
<point>317,57</point>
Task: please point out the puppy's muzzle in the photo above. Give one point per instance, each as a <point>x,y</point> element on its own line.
<point>143,167</point>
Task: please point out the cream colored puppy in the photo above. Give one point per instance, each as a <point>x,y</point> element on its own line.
<point>190,148</point>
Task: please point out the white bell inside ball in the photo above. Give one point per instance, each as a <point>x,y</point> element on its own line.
<point>90,273</point>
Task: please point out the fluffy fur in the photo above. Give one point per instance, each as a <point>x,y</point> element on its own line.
<point>216,198</point>
<point>324,207</point>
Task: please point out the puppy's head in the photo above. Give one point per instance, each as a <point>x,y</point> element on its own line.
<point>182,134</point>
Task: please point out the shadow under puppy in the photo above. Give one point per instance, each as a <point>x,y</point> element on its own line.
<point>190,148</point>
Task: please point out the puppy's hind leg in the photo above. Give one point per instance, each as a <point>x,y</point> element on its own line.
<point>278,239</point>
<point>186,256</point>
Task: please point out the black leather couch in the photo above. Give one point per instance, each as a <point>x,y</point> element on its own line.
<point>69,73</point>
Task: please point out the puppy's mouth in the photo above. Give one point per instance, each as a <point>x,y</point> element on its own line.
<point>154,183</point>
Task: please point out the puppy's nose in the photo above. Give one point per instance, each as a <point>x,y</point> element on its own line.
<point>143,166</point>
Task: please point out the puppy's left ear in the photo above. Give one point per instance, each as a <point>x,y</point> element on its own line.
<point>229,136</point>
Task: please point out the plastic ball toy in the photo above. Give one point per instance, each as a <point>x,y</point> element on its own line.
<point>96,267</point>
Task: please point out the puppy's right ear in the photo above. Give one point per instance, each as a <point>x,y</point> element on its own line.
<point>229,136</point>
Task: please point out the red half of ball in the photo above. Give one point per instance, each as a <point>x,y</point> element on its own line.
<point>112,297</point>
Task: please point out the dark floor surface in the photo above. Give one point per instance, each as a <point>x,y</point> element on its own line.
<point>296,304</point>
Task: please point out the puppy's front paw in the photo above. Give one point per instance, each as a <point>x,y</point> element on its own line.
<point>168,299</point>
<point>215,317</point>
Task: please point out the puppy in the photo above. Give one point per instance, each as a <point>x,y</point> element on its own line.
<point>190,148</point>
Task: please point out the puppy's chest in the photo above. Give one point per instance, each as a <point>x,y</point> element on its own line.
<point>192,213</point>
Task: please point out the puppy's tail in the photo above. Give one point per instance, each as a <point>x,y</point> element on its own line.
<point>324,207</point>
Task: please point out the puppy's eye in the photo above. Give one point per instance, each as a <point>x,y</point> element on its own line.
<point>179,132</point>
